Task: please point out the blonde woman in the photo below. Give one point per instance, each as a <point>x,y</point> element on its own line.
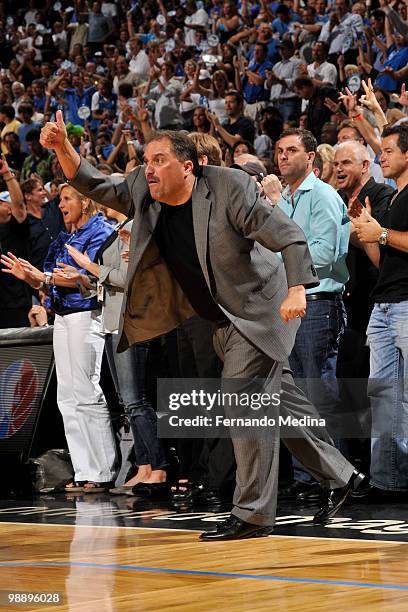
<point>327,154</point>
<point>78,343</point>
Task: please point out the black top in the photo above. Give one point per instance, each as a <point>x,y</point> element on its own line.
<point>44,231</point>
<point>14,293</point>
<point>392,285</point>
<point>174,235</point>
<point>317,112</point>
<point>363,274</point>
<point>243,127</point>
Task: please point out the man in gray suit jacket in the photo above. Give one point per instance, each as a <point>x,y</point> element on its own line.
<point>204,241</point>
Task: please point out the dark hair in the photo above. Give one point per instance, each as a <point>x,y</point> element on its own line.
<point>125,90</point>
<point>318,163</point>
<point>8,110</point>
<point>384,93</point>
<point>248,145</point>
<point>29,185</point>
<point>307,139</point>
<point>282,10</point>
<point>402,132</point>
<point>303,82</point>
<point>182,146</point>
<point>26,109</point>
<point>264,47</point>
<point>377,14</point>
<point>237,95</point>
<point>33,135</point>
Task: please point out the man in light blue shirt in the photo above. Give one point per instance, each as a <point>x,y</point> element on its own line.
<point>321,213</point>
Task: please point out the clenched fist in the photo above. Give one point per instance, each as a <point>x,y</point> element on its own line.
<point>54,134</point>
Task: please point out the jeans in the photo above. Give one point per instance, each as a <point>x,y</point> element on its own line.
<point>314,359</point>
<point>128,371</point>
<point>388,392</point>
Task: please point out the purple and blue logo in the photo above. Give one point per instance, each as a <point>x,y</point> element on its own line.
<point>18,391</point>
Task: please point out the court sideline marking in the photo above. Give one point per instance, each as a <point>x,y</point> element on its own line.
<point>206,573</point>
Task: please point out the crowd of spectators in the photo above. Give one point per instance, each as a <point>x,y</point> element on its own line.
<point>240,71</point>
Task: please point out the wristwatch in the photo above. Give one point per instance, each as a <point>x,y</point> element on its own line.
<point>48,278</point>
<point>383,239</point>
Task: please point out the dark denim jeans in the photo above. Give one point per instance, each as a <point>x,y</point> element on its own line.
<point>128,371</point>
<point>314,359</point>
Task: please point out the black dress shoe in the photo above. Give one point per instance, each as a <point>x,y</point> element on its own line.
<point>235,529</point>
<point>335,498</point>
<point>312,495</point>
<point>293,491</point>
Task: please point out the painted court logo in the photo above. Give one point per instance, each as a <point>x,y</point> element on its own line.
<point>18,392</point>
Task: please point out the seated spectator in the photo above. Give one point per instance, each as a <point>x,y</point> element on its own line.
<point>317,112</point>
<point>11,124</point>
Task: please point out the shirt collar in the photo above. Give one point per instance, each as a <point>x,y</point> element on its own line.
<point>307,185</point>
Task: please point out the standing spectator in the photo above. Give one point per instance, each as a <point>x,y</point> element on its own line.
<point>320,213</point>
<point>385,244</point>
<point>280,82</point>
<point>14,155</point>
<point>166,94</point>
<point>45,220</point>
<point>251,83</point>
<point>100,27</point>
<point>39,160</point>
<point>321,71</point>
<point>14,233</point>
<point>237,127</point>
<point>138,59</point>
<point>103,105</point>
<point>317,112</point>
<point>26,112</point>
<point>18,91</point>
<point>341,29</point>
<point>197,19</point>
<point>78,345</point>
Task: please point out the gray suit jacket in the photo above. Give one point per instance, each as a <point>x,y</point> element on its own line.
<point>236,231</point>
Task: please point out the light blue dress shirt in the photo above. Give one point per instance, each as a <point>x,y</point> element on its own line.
<point>322,215</point>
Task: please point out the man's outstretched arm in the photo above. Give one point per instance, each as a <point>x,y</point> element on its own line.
<point>110,191</point>
<point>54,136</point>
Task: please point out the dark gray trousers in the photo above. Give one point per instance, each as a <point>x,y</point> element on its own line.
<point>257,457</point>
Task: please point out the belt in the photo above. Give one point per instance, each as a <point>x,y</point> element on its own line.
<point>323,295</point>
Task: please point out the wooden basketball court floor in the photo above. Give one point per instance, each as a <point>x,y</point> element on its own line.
<point>110,555</point>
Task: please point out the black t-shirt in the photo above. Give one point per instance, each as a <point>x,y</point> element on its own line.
<point>174,235</point>
<point>14,237</point>
<point>15,160</point>
<point>363,274</point>
<point>392,285</point>
<point>44,231</point>
<point>243,127</point>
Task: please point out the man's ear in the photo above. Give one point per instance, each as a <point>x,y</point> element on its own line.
<point>188,167</point>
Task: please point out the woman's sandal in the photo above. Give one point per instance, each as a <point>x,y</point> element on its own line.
<point>97,487</point>
<point>75,486</point>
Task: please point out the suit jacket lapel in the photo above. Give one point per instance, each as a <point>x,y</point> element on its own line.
<point>201,216</point>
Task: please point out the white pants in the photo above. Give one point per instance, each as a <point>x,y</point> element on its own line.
<point>78,350</point>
